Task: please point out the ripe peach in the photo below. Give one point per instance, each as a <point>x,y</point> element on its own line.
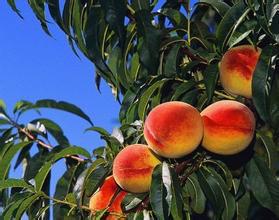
<point>228,127</point>
<point>236,69</point>
<point>102,198</point>
<point>173,129</point>
<point>133,167</point>
<point>115,209</point>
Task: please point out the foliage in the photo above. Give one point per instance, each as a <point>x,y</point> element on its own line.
<point>149,53</point>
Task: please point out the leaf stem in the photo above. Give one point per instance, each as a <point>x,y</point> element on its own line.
<point>65,202</point>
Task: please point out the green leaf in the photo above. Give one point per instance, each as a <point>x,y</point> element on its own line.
<point>175,16</point>
<point>220,7</point>
<point>210,76</point>
<point>38,8</point>
<point>115,11</point>
<point>242,32</point>
<point>13,6</point>
<point>140,4</point>
<point>274,104</point>
<point>158,194</point>
<point>25,205</point>
<point>100,130</point>
<point>92,44</point>
<point>234,16</point>
<point>95,176</point>
<point>43,172</point>
<point>63,187</point>
<point>18,183</point>
<point>71,151</point>
<point>145,97</point>
<point>176,199</point>
<point>259,83</point>
<point>217,193</point>
<point>271,150</point>
<point>61,105</point>
<point>151,39</point>
<point>229,201</point>
<point>54,10</point>
<point>183,88</point>
<point>54,129</point>
<point>11,209</point>
<point>8,156</point>
<point>262,183</point>
<point>132,200</point>
<point>170,62</point>
<point>196,194</point>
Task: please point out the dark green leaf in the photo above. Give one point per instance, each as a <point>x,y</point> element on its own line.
<point>170,62</point>
<point>210,75</point>
<point>176,199</point>
<point>13,6</point>
<point>54,129</point>
<point>64,106</point>
<point>259,83</point>
<point>150,38</point>
<point>25,205</point>
<point>11,183</point>
<point>196,194</point>
<point>38,8</point>
<point>144,99</point>
<point>219,6</point>
<point>115,11</point>
<point>242,32</point>
<point>8,156</point>
<point>234,16</point>
<point>263,184</point>
<point>158,194</point>
<point>274,103</point>
<point>43,172</point>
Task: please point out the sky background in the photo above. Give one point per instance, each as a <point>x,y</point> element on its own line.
<point>35,66</point>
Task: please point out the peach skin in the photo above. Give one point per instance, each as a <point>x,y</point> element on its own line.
<point>236,69</point>
<point>228,127</point>
<point>173,129</point>
<point>102,198</point>
<point>115,209</point>
<point>133,167</point>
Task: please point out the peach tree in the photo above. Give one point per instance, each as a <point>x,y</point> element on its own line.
<point>153,52</point>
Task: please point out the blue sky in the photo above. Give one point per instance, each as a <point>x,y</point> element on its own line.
<point>34,66</point>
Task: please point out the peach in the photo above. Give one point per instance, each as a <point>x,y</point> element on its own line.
<point>133,167</point>
<point>102,198</point>
<point>228,127</point>
<point>115,209</point>
<point>236,69</point>
<point>173,129</point>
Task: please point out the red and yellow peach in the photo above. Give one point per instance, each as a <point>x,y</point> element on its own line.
<point>133,167</point>
<point>173,129</point>
<point>236,69</point>
<point>228,127</point>
<point>109,197</point>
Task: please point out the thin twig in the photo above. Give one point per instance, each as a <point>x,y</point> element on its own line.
<point>41,143</point>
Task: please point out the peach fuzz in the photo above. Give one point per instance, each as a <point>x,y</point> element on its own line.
<point>228,127</point>
<point>133,167</point>
<point>236,69</point>
<point>102,198</point>
<point>173,129</point>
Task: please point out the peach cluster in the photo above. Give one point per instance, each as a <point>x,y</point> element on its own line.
<point>176,129</point>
